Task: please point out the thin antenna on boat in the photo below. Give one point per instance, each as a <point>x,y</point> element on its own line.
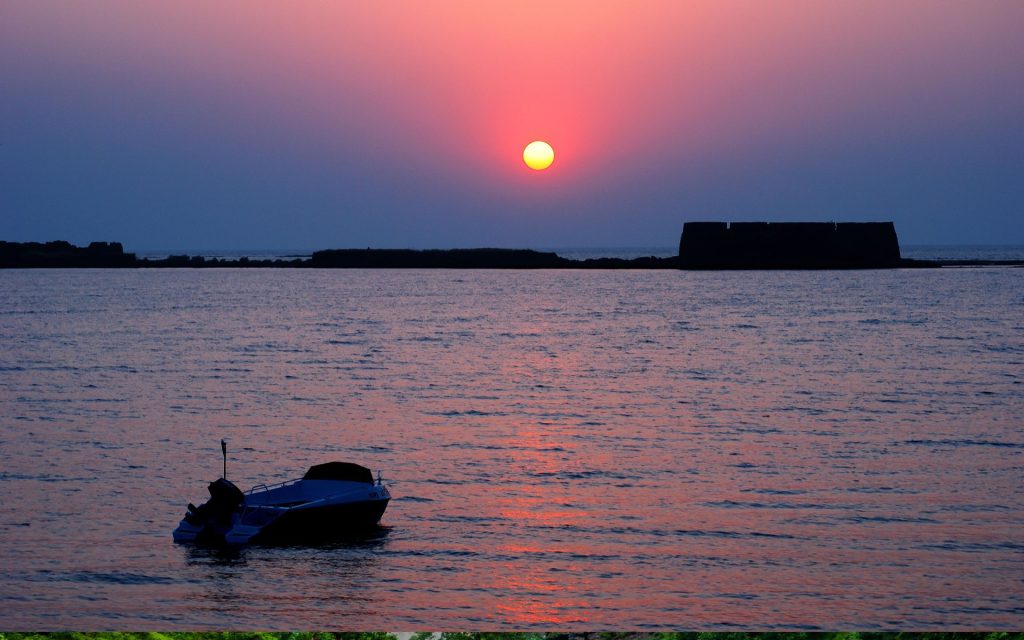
<point>224,452</point>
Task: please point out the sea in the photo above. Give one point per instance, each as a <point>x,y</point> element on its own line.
<point>648,450</point>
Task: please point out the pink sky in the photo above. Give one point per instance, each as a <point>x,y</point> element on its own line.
<point>430,104</point>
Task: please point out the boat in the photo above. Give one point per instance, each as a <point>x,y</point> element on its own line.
<point>331,500</point>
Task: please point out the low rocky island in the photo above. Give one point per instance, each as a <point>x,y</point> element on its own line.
<point>61,254</point>
<point>474,259</point>
<point>702,246</point>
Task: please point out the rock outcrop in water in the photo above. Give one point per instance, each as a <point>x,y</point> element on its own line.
<point>61,254</point>
<point>789,245</point>
<point>703,245</point>
<point>437,259</point>
<point>473,259</point>
<point>64,255</point>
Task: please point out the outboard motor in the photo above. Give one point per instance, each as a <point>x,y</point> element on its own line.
<point>225,499</point>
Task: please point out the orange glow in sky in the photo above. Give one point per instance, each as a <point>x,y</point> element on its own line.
<point>338,113</point>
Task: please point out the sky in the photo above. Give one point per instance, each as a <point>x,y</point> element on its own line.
<point>258,124</point>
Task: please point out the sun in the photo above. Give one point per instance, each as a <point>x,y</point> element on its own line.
<point>538,155</point>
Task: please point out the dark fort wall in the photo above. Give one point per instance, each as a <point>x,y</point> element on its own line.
<point>788,245</point>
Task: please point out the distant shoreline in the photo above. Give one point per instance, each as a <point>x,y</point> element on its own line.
<point>111,255</point>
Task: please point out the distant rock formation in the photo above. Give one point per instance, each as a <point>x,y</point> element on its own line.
<point>437,259</point>
<point>789,245</point>
<point>703,245</point>
<point>61,254</point>
<point>473,259</point>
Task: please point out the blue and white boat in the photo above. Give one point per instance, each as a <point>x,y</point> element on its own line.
<point>331,500</point>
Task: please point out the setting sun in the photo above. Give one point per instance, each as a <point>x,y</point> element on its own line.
<point>538,155</point>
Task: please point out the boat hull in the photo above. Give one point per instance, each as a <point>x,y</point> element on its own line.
<point>317,524</point>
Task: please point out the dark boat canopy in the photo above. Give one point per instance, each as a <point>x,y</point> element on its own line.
<point>339,471</point>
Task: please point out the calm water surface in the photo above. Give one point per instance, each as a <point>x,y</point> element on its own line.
<point>587,449</point>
